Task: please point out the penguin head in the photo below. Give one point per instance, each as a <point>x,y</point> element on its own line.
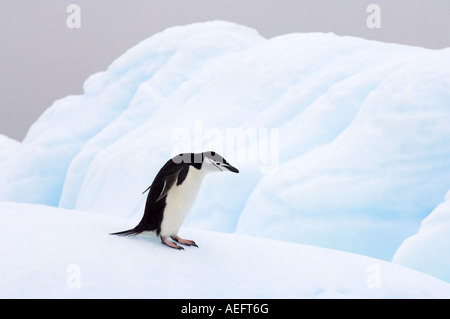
<point>213,162</point>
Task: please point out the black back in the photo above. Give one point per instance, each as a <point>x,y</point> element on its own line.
<point>174,171</point>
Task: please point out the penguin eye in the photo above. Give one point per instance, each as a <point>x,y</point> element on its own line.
<point>218,163</point>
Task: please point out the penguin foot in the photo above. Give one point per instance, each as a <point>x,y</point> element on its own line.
<point>170,244</point>
<point>182,241</point>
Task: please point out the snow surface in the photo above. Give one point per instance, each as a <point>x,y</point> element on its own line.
<point>57,253</point>
<point>352,137</point>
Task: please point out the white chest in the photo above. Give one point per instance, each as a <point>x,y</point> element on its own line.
<point>180,200</point>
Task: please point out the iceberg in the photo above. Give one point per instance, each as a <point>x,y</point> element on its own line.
<point>384,171</point>
<point>428,249</point>
<point>341,142</point>
<point>7,147</point>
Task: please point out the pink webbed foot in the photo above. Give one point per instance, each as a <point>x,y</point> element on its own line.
<point>182,241</point>
<point>170,243</point>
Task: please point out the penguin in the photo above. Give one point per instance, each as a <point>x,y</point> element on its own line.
<point>172,194</point>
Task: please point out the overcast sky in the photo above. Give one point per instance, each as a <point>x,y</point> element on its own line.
<point>42,60</point>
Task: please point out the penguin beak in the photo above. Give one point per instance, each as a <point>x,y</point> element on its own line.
<point>230,168</point>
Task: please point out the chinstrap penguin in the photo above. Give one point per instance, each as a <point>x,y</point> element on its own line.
<point>172,194</point>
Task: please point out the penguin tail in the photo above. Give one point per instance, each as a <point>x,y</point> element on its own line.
<point>129,232</point>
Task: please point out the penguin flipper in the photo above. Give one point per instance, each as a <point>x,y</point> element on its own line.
<point>147,189</point>
<point>168,183</point>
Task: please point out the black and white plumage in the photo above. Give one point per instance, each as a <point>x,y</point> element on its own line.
<point>172,194</point>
